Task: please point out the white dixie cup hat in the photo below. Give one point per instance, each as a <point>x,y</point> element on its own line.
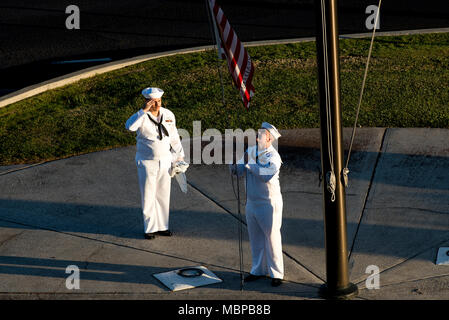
<point>152,93</point>
<point>272,129</point>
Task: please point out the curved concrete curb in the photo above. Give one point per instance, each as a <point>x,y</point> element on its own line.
<point>87,73</point>
<point>95,70</point>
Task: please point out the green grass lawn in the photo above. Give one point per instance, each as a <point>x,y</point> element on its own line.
<point>407,86</point>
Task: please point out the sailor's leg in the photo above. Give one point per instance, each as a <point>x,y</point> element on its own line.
<point>256,241</point>
<point>163,196</point>
<point>270,221</point>
<point>147,171</point>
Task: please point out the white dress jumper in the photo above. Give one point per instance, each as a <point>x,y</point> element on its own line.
<point>158,143</point>
<point>264,210</point>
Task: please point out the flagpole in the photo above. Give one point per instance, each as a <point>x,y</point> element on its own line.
<point>337,278</point>
<point>240,222</point>
<point>217,44</point>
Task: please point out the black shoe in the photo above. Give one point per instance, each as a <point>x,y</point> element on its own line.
<point>251,277</point>
<point>166,233</point>
<point>276,282</point>
<point>149,236</point>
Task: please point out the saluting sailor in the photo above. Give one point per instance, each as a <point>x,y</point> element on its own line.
<point>261,164</point>
<point>158,145</point>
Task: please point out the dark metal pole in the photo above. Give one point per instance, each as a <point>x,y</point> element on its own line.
<point>337,279</point>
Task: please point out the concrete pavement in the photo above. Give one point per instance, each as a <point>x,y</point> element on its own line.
<point>85,211</point>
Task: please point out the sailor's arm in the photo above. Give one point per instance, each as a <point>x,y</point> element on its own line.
<point>175,140</point>
<point>135,121</point>
<point>264,172</point>
<point>239,167</point>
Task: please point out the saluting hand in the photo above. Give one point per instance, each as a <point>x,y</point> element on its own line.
<point>147,105</point>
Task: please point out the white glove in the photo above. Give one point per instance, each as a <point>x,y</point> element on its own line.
<point>178,170</point>
<point>178,167</point>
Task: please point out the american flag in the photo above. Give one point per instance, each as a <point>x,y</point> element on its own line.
<point>239,62</point>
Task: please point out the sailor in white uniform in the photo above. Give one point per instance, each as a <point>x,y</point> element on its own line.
<point>158,145</point>
<point>263,205</point>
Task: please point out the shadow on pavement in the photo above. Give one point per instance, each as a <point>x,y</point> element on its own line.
<point>126,223</point>
<point>139,274</point>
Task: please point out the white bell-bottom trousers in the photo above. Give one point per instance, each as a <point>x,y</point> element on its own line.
<point>155,184</point>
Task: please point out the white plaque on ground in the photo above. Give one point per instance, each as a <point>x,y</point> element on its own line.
<point>443,256</point>
<point>176,282</point>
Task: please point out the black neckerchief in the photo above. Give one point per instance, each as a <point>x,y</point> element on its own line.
<point>160,126</point>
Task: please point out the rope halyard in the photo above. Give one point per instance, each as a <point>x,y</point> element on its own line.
<point>345,171</point>
<point>240,224</point>
<point>331,184</point>
<point>330,176</point>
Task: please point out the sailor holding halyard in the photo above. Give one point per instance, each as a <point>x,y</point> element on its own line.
<point>264,205</point>
<point>158,145</point>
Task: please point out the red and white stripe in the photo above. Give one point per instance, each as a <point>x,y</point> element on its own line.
<point>239,62</point>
